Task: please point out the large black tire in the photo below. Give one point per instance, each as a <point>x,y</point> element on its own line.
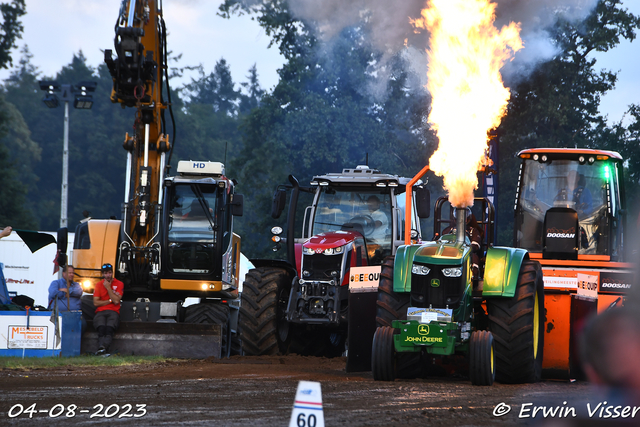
<point>481,363</point>
<point>212,313</point>
<point>392,306</point>
<point>383,357</point>
<point>517,325</point>
<point>263,327</point>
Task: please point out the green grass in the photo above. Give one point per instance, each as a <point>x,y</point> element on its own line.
<point>79,361</point>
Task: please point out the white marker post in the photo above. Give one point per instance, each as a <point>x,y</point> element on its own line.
<point>307,407</point>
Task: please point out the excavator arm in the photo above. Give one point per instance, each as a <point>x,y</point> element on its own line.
<point>139,75</point>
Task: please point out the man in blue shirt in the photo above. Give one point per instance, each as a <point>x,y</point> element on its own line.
<point>66,291</point>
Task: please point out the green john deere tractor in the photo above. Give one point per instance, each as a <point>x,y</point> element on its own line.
<point>454,296</point>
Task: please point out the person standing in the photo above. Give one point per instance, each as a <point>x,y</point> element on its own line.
<point>107,296</point>
<point>65,291</point>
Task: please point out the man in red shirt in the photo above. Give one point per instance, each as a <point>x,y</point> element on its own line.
<point>106,298</point>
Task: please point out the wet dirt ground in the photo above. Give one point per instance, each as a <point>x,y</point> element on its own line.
<point>259,391</point>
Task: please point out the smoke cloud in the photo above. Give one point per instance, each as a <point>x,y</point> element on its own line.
<point>388,28</point>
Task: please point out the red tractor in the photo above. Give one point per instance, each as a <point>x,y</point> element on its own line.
<point>304,304</point>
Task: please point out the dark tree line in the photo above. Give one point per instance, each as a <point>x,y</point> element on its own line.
<point>321,117</point>
<point>12,187</point>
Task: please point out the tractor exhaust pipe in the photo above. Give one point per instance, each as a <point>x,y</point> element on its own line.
<point>461,223</point>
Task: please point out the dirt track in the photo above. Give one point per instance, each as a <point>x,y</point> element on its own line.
<point>260,391</point>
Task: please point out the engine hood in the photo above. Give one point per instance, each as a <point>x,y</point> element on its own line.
<point>331,240</point>
<point>443,251</point>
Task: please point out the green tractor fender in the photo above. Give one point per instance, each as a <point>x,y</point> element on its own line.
<point>502,267</point>
<point>402,268</point>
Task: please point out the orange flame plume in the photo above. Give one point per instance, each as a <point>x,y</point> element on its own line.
<point>468,96</point>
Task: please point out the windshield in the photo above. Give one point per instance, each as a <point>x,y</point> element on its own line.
<point>568,184</point>
<point>366,211</point>
<point>191,235</point>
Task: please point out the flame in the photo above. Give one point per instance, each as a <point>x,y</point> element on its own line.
<point>465,55</point>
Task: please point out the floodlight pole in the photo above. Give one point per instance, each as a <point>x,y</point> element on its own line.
<point>83,102</point>
<point>64,193</point>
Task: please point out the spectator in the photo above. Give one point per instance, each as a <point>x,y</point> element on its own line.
<point>65,291</point>
<point>610,351</point>
<point>106,298</point>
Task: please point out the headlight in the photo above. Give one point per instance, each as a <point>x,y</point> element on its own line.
<point>334,251</point>
<point>276,230</point>
<point>452,272</point>
<point>422,270</point>
<point>328,251</point>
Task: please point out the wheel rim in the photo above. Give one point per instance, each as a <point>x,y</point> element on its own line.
<point>536,325</point>
<point>491,360</point>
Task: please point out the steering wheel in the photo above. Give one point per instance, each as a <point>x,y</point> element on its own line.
<point>366,221</point>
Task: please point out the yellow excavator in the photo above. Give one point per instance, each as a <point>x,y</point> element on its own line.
<point>174,246</point>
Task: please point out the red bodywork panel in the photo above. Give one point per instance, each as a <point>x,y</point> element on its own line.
<point>330,240</point>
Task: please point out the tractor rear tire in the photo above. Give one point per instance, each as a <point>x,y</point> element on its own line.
<point>263,326</point>
<point>383,355</point>
<point>392,306</point>
<point>481,363</point>
<point>212,313</point>
<point>517,325</point>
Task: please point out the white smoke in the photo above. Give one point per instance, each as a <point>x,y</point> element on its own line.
<point>535,18</point>
<point>388,28</point>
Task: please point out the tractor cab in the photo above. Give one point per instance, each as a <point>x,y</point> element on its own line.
<point>569,203</point>
<point>366,213</point>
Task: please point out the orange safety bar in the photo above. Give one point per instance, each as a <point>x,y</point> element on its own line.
<point>407,207</point>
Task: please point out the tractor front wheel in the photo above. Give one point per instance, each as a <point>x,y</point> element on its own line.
<point>517,325</point>
<point>383,355</point>
<point>481,366</point>
<point>392,306</point>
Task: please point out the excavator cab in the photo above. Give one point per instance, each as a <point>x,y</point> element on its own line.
<point>192,219</point>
